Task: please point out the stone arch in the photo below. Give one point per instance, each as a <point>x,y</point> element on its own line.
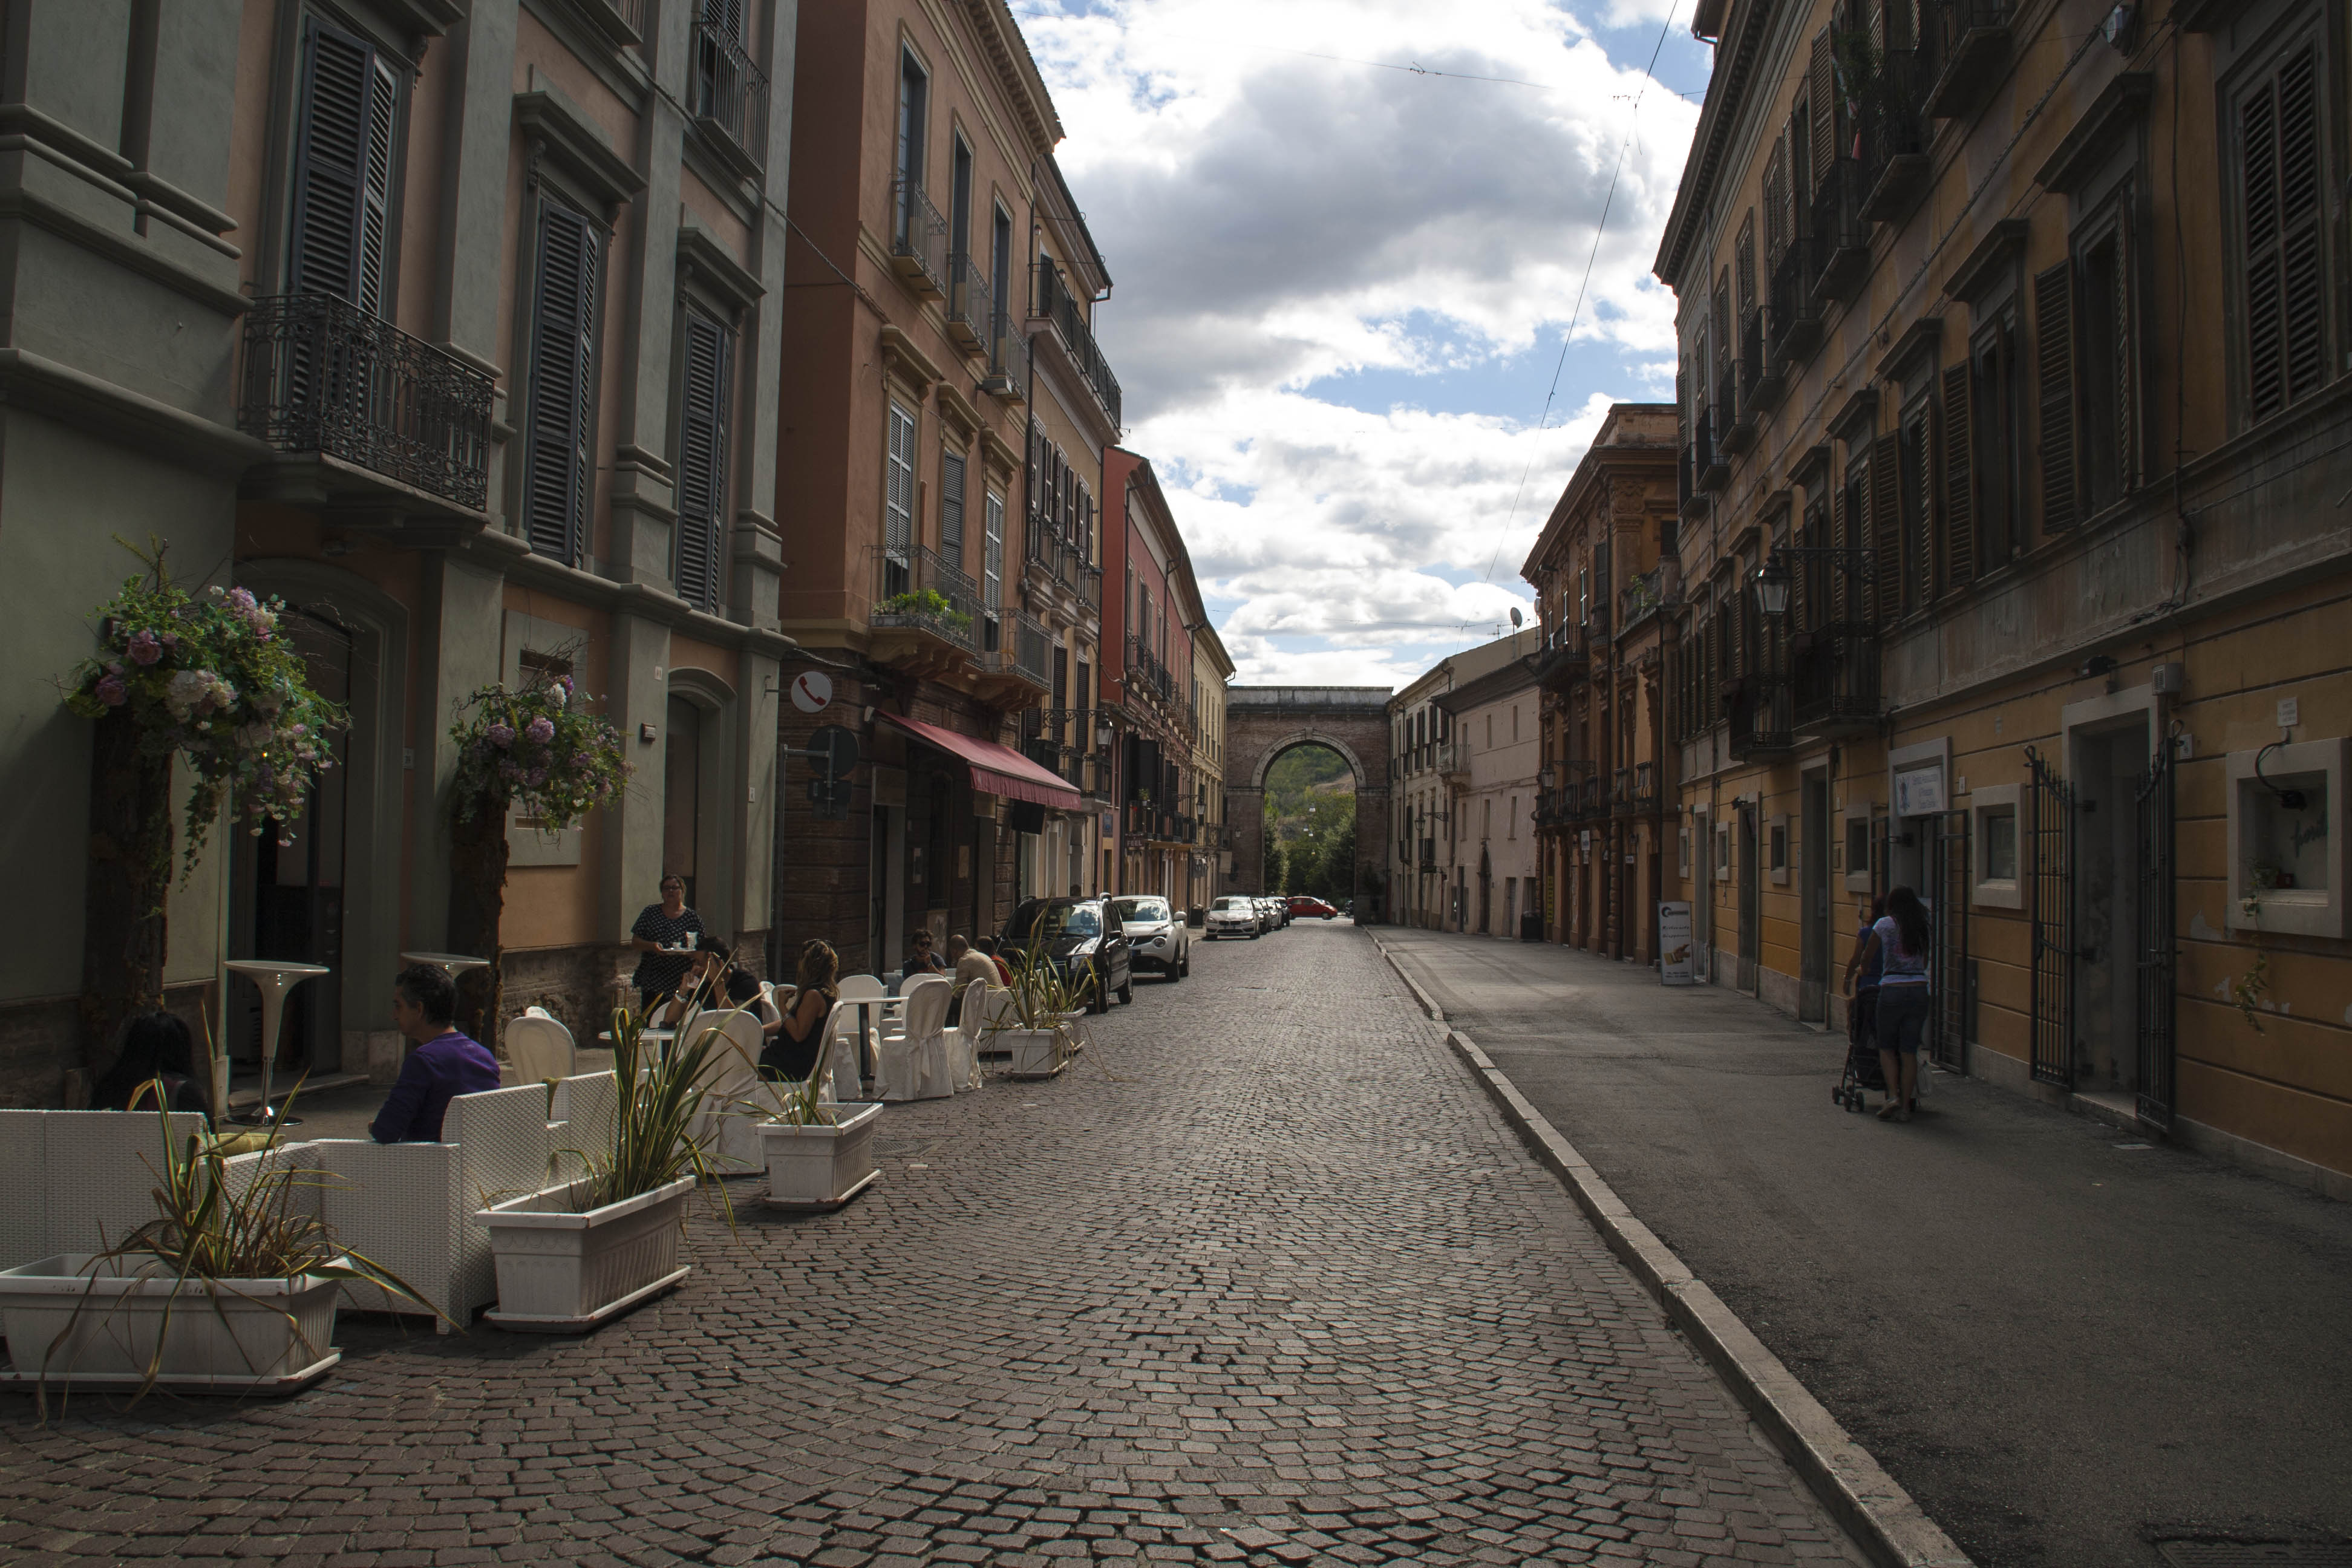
<point>1275,753</point>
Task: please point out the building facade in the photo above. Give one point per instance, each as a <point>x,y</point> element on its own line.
<point>1607,583</point>
<point>474,367</point>
<point>937,503</point>
<point>1212,855</point>
<point>1154,612</point>
<point>1429,872</point>
<point>2014,399</point>
<point>1496,720</point>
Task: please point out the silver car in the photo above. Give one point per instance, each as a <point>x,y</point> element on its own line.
<point>1234,914</point>
<point>1158,939</point>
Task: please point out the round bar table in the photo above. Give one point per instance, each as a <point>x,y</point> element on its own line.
<point>273,978</point>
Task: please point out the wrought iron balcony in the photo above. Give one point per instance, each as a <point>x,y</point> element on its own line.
<point>1620,792</point>
<point>1644,592</point>
<point>918,239</point>
<point>1562,657</point>
<point>1055,303</point>
<point>1840,238</point>
<point>1793,322</point>
<point>730,91</point>
<point>972,308</point>
<point>1145,676</point>
<point>1454,757</point>
<point>1008,356</point>
<point>918,590</point>
<point>1763,717</point>
<point>1429,854</point>
<point>1837,685</point>
<point>1645,789</point>
<point>1966,43</point>
<point>1020,645</point>
<point>1708,465</point>
<point>323,377</point>
<point>1894,132</point>
<point>1591,799</point>
<point>1762,377</point>
<point>1735,420</point>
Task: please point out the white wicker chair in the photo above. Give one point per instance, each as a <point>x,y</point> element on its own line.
<point>78,1181</point>
<point>915,1064</point>
<point>409,1206</point>
<point>729,1079</point>
<point>539,1048</point>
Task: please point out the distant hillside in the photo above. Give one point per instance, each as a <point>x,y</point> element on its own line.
<point>1310,819</point>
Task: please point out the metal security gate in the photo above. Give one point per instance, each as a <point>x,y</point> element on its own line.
<point>1947,891</point>
<point>2049,853</point>
<point>2159,948</point>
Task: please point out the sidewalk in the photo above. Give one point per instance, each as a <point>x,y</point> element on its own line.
<point>2064,1342</point>
<point>1265,1278</point>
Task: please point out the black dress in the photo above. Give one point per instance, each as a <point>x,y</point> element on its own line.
<point>657,974</point>
<point>790,1059</point>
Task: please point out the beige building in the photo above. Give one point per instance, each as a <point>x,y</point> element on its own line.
<point>1432,852</point>
<point>2013,344</point>
<point>1497,750</point>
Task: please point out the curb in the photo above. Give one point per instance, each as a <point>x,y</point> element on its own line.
<point>1881,1517</point>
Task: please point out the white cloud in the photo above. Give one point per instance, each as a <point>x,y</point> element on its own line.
<point>1274,217</point>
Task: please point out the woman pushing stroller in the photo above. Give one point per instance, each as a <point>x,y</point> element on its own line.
<point>1897,951</point>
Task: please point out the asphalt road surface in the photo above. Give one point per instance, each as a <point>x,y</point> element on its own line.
<point>2065,1343</point>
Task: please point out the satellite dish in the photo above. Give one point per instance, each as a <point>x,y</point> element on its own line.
<point>1515,617</point>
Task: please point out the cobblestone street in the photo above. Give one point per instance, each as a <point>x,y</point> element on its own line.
<point>1264,1278</point>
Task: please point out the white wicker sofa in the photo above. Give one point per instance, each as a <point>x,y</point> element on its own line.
<point>71,1177</point>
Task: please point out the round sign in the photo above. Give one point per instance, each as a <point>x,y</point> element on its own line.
<point>834,749</point>
<point>812,691</point>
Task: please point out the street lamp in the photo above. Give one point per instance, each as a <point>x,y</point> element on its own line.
<point>1772,587</point>
<point>1772,578</point>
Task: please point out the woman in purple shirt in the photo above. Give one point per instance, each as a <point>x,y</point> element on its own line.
<point>443,1065</point>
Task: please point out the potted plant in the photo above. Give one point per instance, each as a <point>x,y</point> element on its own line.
<point>230,1289</point>
<point>537,753</point>
<point>819,1156</point>
<point>205,678</point>
<point>1038,1028</point>
<point>925,603</point>
<point>579,1253</point>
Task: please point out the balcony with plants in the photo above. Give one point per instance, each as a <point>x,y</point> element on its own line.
<point>926,612</point>
<point>384,417</point>
<point>1053,303</point>
<point>919,240</point>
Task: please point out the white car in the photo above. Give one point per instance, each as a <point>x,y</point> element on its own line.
<point>1158,939</point>
<point>1234,914</point>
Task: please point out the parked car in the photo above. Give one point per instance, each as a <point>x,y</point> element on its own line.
<point>1079,935</point>
<point>1306,904</point>
<point>1234,914</point>
<point>1276,917</point>
<point>1158,939</point>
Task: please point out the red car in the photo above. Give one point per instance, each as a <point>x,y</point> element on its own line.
<point>1302,904</point>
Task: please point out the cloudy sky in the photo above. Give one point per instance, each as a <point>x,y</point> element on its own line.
<point>1342,287</point>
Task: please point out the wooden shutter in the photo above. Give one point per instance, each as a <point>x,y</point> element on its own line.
<point>1823,91</point>
<point>2053,327</point>
<point>1744,274</point>
<point>702,461</point>
<point>1885,501</point>
<point>562,383</point>
<point>343,170</point>
<point>898,504</point>
<point>1777,226</point>
<point>1960,494</point>
<point>952,492</point>
<point>2285,289</point>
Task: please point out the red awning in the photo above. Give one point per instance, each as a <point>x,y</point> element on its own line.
<point>995,770</point>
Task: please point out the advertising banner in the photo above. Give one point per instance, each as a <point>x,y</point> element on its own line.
<point>1674,943</point>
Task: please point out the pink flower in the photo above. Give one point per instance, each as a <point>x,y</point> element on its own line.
<point>111,692</point>
<point>144,648</point>
<point>541,729</point>
<point>501,735</point>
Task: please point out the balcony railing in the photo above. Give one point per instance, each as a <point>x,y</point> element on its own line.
<point>1837,688</point>
<point>1841,237</point>
<point>1429,854</point>
<point>1592,797</point>
<point>1792,322</point>
<point>1645,789</point>
<point>1058,305</point>
<point>1620,792</point>
<point>972,308</point>
<point>1145,676</point>
<point>1562,657</point>
<point>1966,45</point>
<point>1763,719</point>
<point>1894,131</point>
<point>919,589</point>
<point>1735,422</point>
<point>1028,650</point>
<point>1646,591</point>
<point>322,376</point>
<point>1008,357</point>
<point>1454,757</point>
<point>730,91</point>
<point>918,239</point>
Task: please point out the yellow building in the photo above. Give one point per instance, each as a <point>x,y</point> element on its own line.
<point>2013,536</point>
<point>1212,670</point>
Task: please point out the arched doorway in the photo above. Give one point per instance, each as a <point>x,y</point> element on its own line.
<point>1308,810</point>
<point>1265,722</point>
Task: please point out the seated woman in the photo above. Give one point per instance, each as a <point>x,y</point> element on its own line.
<point>156,1046</point>
<point>798,1034</point>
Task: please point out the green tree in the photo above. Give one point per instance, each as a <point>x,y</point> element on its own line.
<point>1276,865</point>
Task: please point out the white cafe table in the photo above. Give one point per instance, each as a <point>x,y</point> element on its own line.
<point>452,963</point>
<point>273,978</point>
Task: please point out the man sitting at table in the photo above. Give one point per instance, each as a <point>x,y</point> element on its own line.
<point>971,964</point>
<point>443,1065</point>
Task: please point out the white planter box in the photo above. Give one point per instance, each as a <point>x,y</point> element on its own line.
<point>561,1271</point>
<point>239,1336</point>
<point>1036,1053</point>
<point>821,1167</point>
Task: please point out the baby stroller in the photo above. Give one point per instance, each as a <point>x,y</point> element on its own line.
<point>1862,1074</point>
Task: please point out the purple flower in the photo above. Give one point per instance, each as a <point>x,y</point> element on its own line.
<point>580,759</point>
<point>144,648</point>
<point>501,735</point>
<point>541,729</point>
<point>536,777</point>
<point>507,770</point>
<point>111,692</point>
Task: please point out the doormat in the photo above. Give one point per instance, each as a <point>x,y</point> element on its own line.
<point>2256,1553</point>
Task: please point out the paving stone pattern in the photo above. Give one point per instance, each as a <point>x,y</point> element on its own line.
<point>1263,1279</point>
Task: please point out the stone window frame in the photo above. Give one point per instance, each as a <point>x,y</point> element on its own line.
<point>1985,890</point>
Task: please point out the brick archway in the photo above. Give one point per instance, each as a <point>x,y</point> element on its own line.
<point>1263,722</point>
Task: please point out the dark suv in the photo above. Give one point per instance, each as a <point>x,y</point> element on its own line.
<point>1082,938</point>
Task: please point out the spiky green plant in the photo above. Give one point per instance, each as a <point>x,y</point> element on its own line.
<point>1044,998</point>
<point>212,1231</point>
<point>659,1095</point>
